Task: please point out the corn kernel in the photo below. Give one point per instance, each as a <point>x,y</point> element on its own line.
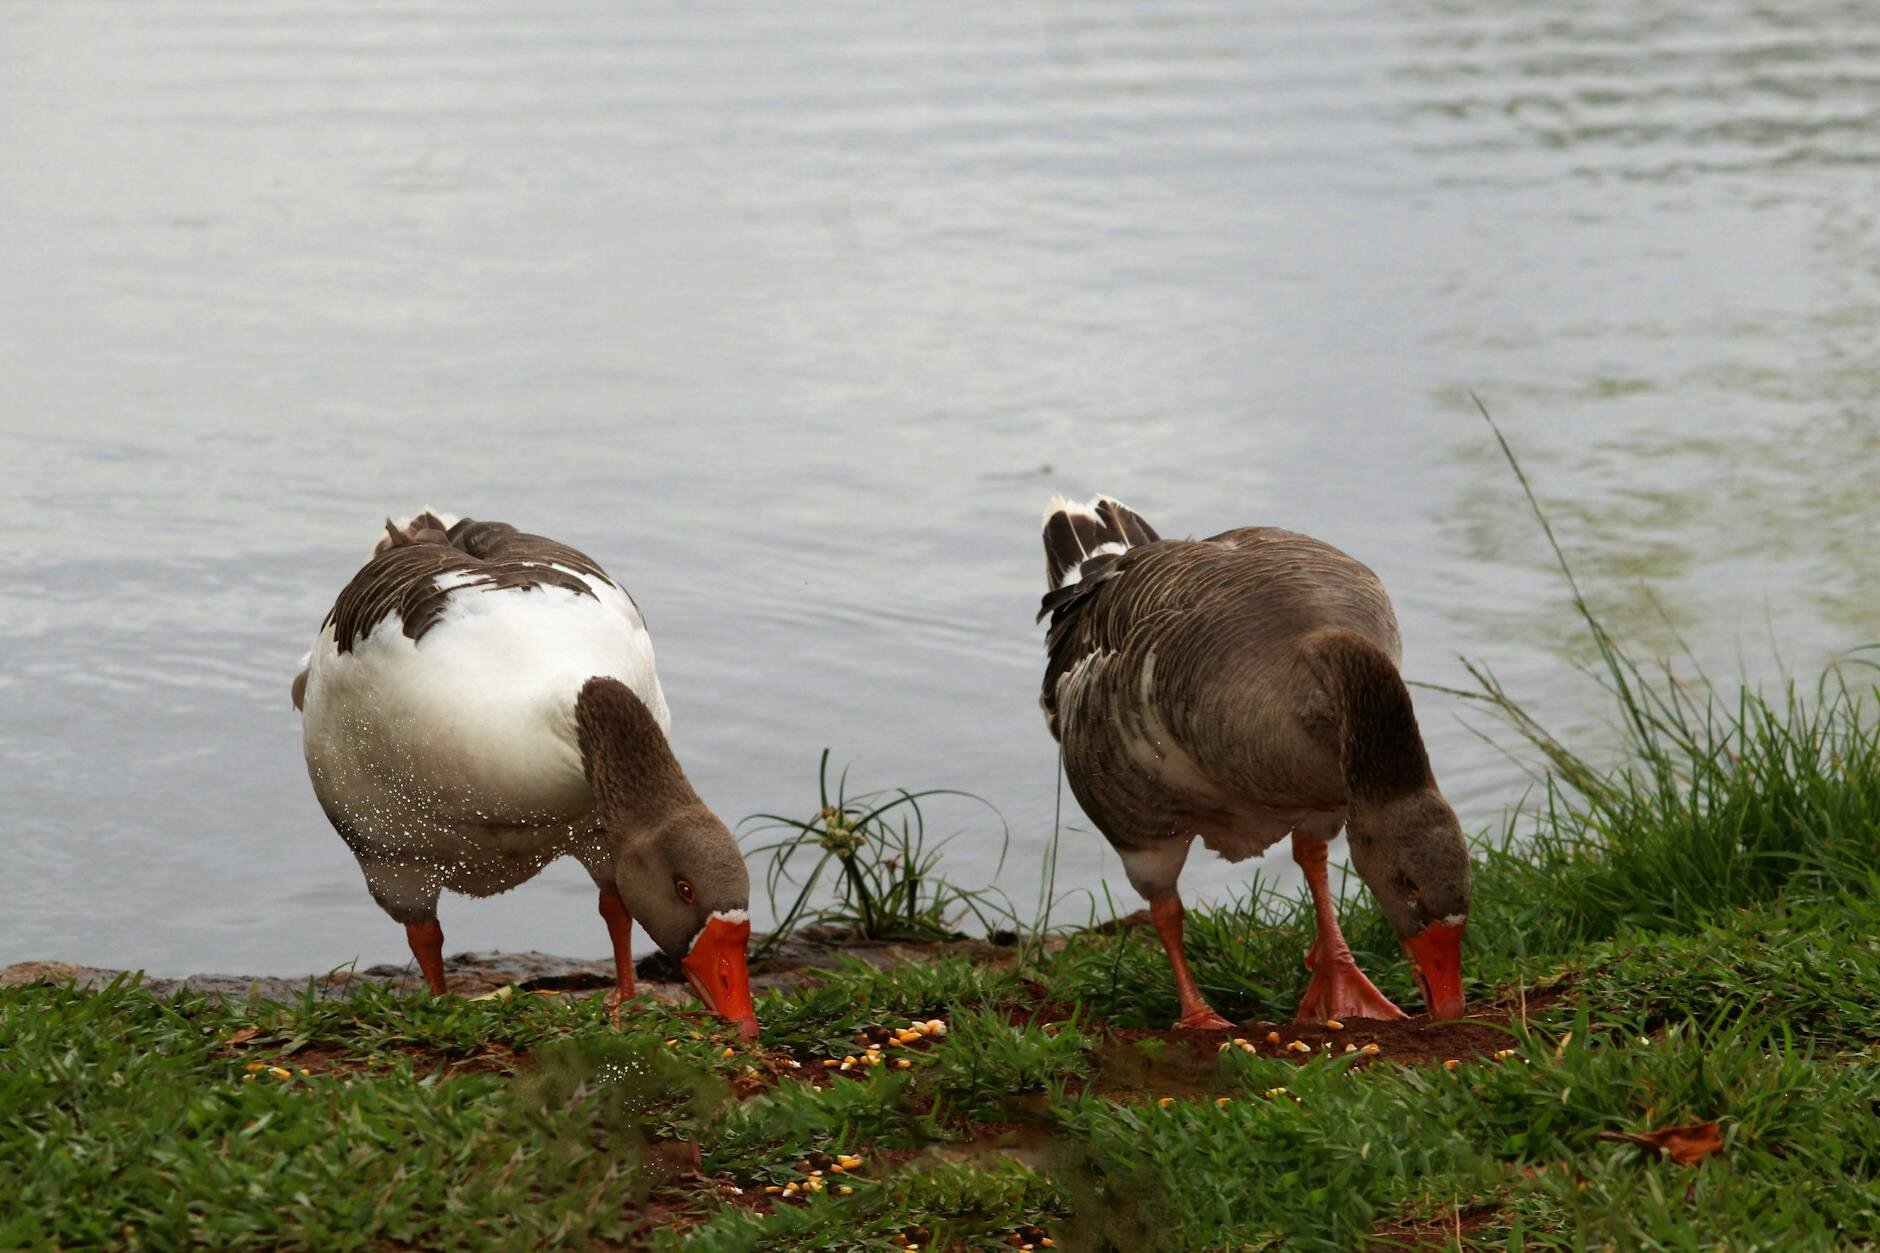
<point>773,1189</point>
<point>729,1052</point>
<point>845,1190</point>
<point>1272,1037</point>
<point>901,1063</point>
<point>830,1063</point>
<point>1220,1100</point>
<point>280,1072</point>
<point>1451,1064</point>
<point>1048,1243</point>
<point>672,1042</point>
<point>1332,1024</point>
<point>1300,1046</point>
<point>1371,1050</point>
<point>305,1071</point>
<point>251,1067</point>
<point>936,1027</point>
<point>1351,1048</point>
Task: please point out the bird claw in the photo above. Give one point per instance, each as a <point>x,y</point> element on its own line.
<point>1340,990</point>
<point>1203,1019</point>
<point>615,999</point>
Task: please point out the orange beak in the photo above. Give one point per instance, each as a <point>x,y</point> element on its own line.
<point>1435,955</point>
<point>715,969</point>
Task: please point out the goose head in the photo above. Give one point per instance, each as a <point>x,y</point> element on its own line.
<point>676,866</point>
<point>1410,852</point>
<point>688,886</point>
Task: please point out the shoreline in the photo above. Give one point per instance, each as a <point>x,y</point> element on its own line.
<point>479,973</point>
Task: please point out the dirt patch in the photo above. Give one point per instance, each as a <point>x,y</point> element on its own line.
<point>1444,1232</point>
<point>1183,1063</point>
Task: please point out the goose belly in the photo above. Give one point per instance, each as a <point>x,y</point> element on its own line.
<point>469,731</point>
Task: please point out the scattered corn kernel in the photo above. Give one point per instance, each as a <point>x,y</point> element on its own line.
<point>251,1067</point>
<point>305,1071</point>
<point>1451,1064</point>
<point>1166,1101</point>
<point>1272,1037</point>
<point>1502,1055</point>
<point>248,1078</point>
<point>1275,1092</point>
<point>845,1190</point>
<point>1220,1100</point>
<point>1371,1050</point>
<point>773,1189</point>
<point>1351,1048</point>
<point>1300,1046</point>
<point>280,1072</point>
<point>1048,1243</point>
<point>672,1042</point>
<point>936,1027</point>
<point>1332,1024</point>
<point>1240,1041</point>
<point>729,1052</point>
<point>848,1161</point>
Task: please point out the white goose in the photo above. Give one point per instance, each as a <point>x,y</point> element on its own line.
<point>480,702</point>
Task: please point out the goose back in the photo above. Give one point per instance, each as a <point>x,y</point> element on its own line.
<point>1186,683</point>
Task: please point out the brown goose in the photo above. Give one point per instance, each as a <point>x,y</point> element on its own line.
<point>1239,689</point>
<point>480,702</point>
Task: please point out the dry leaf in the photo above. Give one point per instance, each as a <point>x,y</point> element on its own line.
<point>1685,1145</point>
<point>243,1036</point>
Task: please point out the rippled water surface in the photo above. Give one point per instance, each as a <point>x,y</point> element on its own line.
<point>793,318</point>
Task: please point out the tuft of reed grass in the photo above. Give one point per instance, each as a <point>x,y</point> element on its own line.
<point>874,852</point>
<point>1713,802</point>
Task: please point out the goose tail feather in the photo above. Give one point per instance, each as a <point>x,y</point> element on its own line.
<point>1076,533</point>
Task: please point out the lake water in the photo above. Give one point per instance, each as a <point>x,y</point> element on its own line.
<point>793,317</point>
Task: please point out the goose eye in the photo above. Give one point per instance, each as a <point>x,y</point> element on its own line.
<point>684,890</point>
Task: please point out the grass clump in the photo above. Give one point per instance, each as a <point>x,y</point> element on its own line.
<point>881,871</point>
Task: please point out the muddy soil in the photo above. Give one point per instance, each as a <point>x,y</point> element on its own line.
<point>472,974</point>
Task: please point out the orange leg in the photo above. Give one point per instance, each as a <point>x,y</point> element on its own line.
<point>1167,914</point>
<point>620,931</point>
<point>1338,988</point>
<point>427,945</point>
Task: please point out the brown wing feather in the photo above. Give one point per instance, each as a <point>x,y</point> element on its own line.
<point>402,575</point>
